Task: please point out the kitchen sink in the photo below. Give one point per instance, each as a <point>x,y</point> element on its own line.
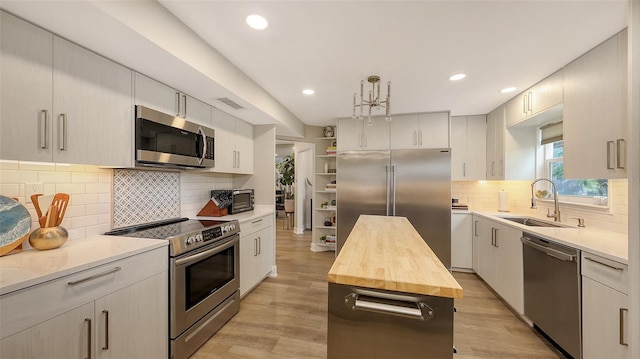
<point>534,222</point>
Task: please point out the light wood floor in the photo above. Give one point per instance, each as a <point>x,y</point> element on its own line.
<point>286,317</point>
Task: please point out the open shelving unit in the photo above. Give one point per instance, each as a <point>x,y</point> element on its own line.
<point>325,165</point>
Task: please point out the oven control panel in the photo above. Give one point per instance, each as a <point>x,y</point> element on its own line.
<point>211,234</point>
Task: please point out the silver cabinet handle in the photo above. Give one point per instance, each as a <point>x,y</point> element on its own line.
<point>106,330</point>
<point>43,129</point>
<point>89,344</point>
<point>475,228</point>
<point>184,111</point>
<point>238,158</point>
<point>259,245</point>
<point>178,104</point>
<point>62,136</point>
<point>95,276</point>
<point>495,237</point>
<point>255,246</point>
<point>415,138</point>
<point>493,165</point>
<point>464,169</point>
<point>620,163</point>
<point>421,311</point>
<point>257,221</point>
<point>234,159</point>
<point>622,341</point>
<point>609,144</point>
<point>524,104</point>
<point>604,264</point>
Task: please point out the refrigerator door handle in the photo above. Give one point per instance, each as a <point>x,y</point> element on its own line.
<point>388,191</point>
<point>393,190</point>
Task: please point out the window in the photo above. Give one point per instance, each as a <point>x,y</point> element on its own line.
<point>586,191</point>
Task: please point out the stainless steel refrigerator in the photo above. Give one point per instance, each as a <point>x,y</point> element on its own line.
<point>410,183</point>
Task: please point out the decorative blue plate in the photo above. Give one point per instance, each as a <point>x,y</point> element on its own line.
<point>15,221</point>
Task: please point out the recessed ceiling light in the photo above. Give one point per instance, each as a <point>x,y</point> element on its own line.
<point>457,77</point>
<point>308,92</point>
<point>508,89</point>
<point>257,22</point>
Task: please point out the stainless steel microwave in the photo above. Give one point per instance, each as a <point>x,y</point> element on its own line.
<point>169,141</point>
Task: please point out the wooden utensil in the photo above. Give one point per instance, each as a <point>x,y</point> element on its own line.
<point>34,199</point>
<point>60,201</point>
<point>52,217</point>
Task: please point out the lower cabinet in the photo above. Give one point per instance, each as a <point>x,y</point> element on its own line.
<point>257,248</point>
<point>605,316</point>
<point>461,245</point>
<point>499,257</point>
<point>112,311</point>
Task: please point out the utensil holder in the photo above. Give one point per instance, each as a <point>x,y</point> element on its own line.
<point>48,238</point>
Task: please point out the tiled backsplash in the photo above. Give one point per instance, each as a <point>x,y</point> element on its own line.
<point>89,187</point>
<point>483,195</point>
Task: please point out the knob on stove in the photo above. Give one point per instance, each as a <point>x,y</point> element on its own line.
<point>198,237</point>
<point>190,241</point>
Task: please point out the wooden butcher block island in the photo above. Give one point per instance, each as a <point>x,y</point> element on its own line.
<point>389,295</point>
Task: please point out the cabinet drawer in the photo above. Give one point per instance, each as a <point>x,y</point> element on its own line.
<point>605,271</point>
<point>256,224</point>
<point>27,307</point>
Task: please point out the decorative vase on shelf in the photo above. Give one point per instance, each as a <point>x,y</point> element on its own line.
<point>328,131</point>
<point>48,238</point>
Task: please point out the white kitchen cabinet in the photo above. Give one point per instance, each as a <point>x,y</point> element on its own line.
<point>605,317</point>
<point>257,248</point>
<point>26,104</point>
<point>66,103</point>
<point>67,319</point>
<point>233,143</point>
<point>160,97</point>
<point>424,130</point>
<point>92,108</point>
<point>461,241</point>
<point>510,151</point>
<point>475,245</point>
<point>468,147</point>
<point>355,134</point>
<point>535,100</point>
<point>595,112</point>
<point>500,260</point>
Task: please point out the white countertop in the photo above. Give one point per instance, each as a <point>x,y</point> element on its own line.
<point>32,267</point>
<point>604,243</point>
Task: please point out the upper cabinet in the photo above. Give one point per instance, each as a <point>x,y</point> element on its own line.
<point>468,147</point>
<point>534,101</point>
<point>510,152</point>
<point>356,134</point>
<point>424,130</point>
<point>153,94</point>
<point>233,143</point>
<point>66,104</point>
<point>595,112</point>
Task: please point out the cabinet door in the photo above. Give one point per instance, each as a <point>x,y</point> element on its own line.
<point>486,252</point>
<point>25,100</point>
<point>433,130</point>
<point>377,135</point>
<point>404,132</point>
<point>593,113</point>
<point>249,261</point>
<point>153,94</point>
<point>602,330</point>
<point>225,140</point>
<point>459,148</point>
<point>495,144</point>
<point>547,93</point>
<point>461,242</point>
<point>517,108</point>
<point>509,279</point>
<point>476,158</point>
<point>475,237</point>
<point>133,322</point>
<point>244,147</point>
<point>64,336</point>
<point>197,111</point>
<point>349,136</point>
<point>265,252</point>
<point>92,108</point>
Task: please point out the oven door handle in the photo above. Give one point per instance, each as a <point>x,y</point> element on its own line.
<point>199,256</point>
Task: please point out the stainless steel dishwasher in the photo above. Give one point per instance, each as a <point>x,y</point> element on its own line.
<point>552,291</point>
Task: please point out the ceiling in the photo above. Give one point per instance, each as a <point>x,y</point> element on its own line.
<point>330,46</point>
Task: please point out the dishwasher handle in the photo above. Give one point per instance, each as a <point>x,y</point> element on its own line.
<point>421,311</point>
<point>549,251</point>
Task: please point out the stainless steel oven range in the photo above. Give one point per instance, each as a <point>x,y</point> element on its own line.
<point>204,277</point>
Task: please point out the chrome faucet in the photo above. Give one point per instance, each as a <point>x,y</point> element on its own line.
<point>556,211</point>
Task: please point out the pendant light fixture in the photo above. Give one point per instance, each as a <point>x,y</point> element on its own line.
<point>374,102</point>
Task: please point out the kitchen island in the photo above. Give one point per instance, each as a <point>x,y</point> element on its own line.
<point>389,295</point>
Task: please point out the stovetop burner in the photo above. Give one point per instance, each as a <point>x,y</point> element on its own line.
<point>184,234</point>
